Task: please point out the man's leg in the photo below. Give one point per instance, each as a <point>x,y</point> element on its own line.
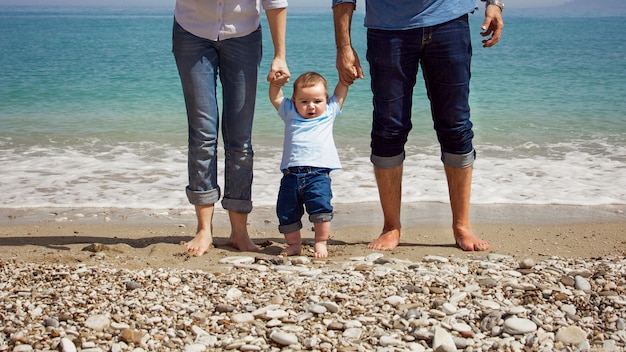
<point>394,60</point>
<point>389,183</point>
<point>447,73</point>
<point>459,189</point>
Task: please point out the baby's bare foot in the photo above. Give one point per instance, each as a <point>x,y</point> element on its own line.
<point>294,249</point>
<point>321,251</point>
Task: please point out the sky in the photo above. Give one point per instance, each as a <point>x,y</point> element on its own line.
<point>293,3</point>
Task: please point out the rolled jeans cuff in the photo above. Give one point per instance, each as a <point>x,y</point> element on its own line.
<point>321,217</point>
<point>237,205</point>
<point>460,161</point>
<point>203,197</point>
<point>387,162</point>
<point>290,228</point>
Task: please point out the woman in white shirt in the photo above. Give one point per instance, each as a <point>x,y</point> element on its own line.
<point>221,39</point>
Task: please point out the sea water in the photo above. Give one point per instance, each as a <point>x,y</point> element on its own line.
<point>92,115</point>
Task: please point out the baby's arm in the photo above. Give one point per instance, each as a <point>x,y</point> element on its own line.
<point>276,94</point>
<point>341,92</point>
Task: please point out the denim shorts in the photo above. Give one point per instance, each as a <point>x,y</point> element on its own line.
<point>444,54</point>
<point>300,187</point>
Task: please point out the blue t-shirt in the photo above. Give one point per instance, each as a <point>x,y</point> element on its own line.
<point>409,14</point>
<point>309,142</point>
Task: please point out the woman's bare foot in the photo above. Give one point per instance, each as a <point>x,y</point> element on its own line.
<point>294,249</point>
<point>467,241</point>
<point>200,244</point>
<point>243,243</point>
<point>321,251</point>
<point>387,240</point>
<point>239,237</point>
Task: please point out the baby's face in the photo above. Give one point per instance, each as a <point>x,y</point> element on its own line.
<point>310,101</point>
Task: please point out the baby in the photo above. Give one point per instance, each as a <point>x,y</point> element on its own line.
<point>309,155</point>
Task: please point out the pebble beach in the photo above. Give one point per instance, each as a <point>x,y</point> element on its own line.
<point>370,303</point>
<point>105,281</point>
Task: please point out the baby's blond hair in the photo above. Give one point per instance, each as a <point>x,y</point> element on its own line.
<point>310,79</point>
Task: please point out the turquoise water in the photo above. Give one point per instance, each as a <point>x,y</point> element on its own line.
<point>91,111</point>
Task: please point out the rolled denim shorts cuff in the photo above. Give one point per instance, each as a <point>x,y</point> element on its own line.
<point>203,197</point>
<point>237,205</point>
<point>321,217</point>
<point>290,228</point>
<point>460,161</point>
<point>387,162</point>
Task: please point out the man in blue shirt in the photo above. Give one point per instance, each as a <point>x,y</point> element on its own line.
<point>403,35</point>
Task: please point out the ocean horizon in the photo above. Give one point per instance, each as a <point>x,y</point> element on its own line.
<point>92,115</point>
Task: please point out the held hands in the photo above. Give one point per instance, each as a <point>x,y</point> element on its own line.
<point>278,77</point>
<point>348,65</point>
<point>492,25</point>
<point>279,72</point>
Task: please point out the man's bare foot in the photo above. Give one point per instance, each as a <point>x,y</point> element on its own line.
<point>321,251</point>
<point>294,249</point>
<point>467,241</point>
<point>387,240</point>
<point>200,244</point>
<point>243,243</point>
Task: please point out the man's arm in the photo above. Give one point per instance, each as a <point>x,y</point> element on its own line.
<point>277,20</point>
<point>348,64</point>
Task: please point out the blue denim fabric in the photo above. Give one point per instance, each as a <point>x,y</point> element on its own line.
<point>303,186</point>
<point>444,53</point>
<point>236,62</point>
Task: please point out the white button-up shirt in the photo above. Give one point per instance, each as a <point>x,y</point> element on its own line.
<point>222,19</point>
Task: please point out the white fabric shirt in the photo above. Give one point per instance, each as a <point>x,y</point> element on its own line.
<point>222,19</point>
<point>309,142</point>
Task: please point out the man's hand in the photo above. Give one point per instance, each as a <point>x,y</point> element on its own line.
<point>492,26</point>
<point>348,65</point>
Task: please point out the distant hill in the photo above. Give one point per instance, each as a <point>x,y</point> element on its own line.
<point>589,6</point>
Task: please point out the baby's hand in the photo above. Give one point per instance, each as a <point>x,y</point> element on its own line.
<point>276,85</point>
<point>279,79</point>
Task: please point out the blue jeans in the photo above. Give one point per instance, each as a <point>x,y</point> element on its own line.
<point>236,62</point>
<point>303,186</point>
<point>444,53</point>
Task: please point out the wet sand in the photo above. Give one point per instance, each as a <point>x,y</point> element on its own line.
<point>140,238</point>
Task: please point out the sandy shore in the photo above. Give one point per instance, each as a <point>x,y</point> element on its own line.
<point>139,238</point>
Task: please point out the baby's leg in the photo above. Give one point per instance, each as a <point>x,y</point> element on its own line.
<point>294,244</point>
<point>322,232</point>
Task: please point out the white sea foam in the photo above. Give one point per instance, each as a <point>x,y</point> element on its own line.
<point>138,175</point>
